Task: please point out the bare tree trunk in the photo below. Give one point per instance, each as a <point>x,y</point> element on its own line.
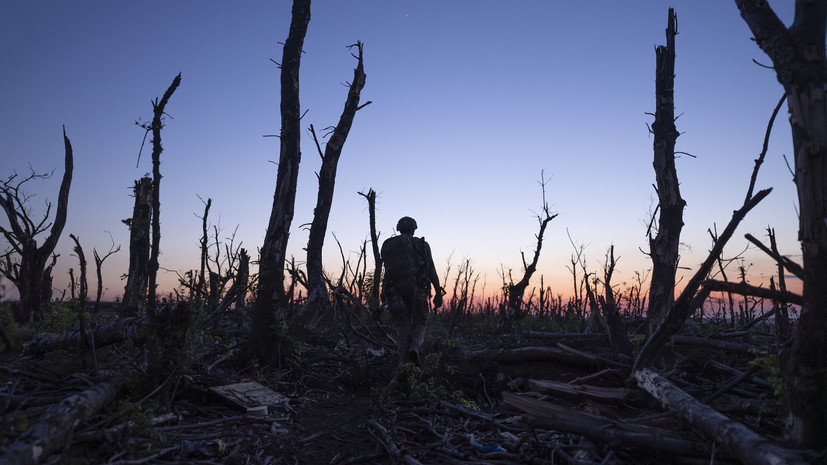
<point>137,279</point>
<point>517,291</point>
<point>271,297</point>
<point>157,124</point>
<point>99,272</point>
<point>618,338</point>
<point>373,302</point>
<point>317,295</point>
<point>664,247</point>
<point>31,278</point>
<point>800,64</point>
<point>782,318</point>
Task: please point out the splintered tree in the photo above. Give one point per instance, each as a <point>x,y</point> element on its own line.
<point>25,265</point>
<point>137,278</point>
<point>271,296</point>
<point>800,63</point>
<point>156,125</point>
<point>317,295</point>
<point>373,301</point>
<point>664,246</point>
<point>517,291</point>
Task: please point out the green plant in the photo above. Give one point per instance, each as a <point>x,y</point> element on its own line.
<point>637,340</point>
<point>59,317</point>
<point>769,361</point>
<point>286,345</point>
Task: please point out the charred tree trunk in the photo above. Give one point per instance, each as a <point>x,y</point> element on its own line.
<point>137,279</point>
<point>317,295</point>
<point>373,300</point>
<point>664,246</point>
<point>157,124</point>
<point>271,297</point>
<point>800,64</point>
<point>30,275</point>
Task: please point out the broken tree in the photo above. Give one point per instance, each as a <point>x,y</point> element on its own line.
<point>29,271</point>
<point>157,123</point>
<point>317,295</point>
<point>271,297</point>
<point>800,64</point>
<point>664,246</point>
<point>137,278</point>
<point>516,291</point>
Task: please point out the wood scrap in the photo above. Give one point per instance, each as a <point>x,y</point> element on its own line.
<point>601,429</point>
<point>599,393</point>
<point>49,433</point>
<point>735,438</point>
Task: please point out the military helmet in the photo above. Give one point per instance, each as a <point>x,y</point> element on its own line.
<point>406,224</point>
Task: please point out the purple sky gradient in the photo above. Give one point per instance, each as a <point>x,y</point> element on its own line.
<point>471,101</point>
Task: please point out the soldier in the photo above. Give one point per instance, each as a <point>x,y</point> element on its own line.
<point>409,274</point>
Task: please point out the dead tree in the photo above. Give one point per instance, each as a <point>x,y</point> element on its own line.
<point>317,295</point>
<point>800,63</point>
<point>664,246</point>
<point>690,298</point>
<point>516,291</point>
<point>156,125</point>
<point>373,300</point>
<point>137,277</point>
<point>98,271</point>
<point>271,296</point>
<point>618,338</point>
<point>25,265</point>
<point>82,302</point>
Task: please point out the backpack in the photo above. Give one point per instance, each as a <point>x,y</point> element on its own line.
<point>403,263</point>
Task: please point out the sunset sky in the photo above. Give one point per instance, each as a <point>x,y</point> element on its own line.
<point>472,100</point>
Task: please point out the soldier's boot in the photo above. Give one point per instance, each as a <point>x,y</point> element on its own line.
<point>417,339</point>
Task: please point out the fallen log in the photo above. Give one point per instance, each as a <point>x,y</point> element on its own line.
<point>600,429</point>
<point>715,343</point>
<point>733,437</point>
<point>121,330</point>
<point>580,391</point>
<point>50,432</point>
<point>540,354</point>
<point>135,329</point>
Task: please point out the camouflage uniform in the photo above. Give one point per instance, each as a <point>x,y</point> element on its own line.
<point>409,304</point>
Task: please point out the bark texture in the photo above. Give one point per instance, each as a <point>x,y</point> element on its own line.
<point>137,279</point>
<point>735,438</point>
<point>51,431</point>
<point>271,297</point>
<point>798,56</point>
<point>664,246</point>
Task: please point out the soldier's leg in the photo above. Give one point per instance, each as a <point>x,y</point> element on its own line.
<point>419,320</point>
<point>402,321</point>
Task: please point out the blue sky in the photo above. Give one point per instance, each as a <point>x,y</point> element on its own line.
<point>471,101</point>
